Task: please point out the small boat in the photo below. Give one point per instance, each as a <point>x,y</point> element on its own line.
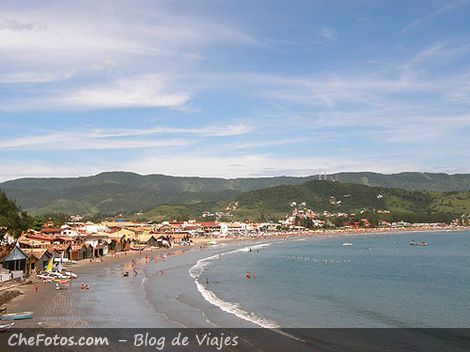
<point>347,244</point>
<point>71,274</point>
<point>16,316</point>
<point>5,327</point>
<point>45,276</point>
<point>421,244</point>
<point>138,247</point>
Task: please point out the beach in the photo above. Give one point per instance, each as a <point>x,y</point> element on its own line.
<point>117,301</point>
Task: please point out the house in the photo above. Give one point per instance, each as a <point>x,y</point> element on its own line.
<point>99,245</point>
<point>60,250</point>
<point>51,231</point>
<point>12,258</point>
<point>152,242</point>
<point>81,251</point>
<point>37,259</point>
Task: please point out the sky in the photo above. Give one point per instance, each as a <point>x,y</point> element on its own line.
<point>233,88</point>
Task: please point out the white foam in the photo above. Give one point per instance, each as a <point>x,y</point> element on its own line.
<point>232,308</point>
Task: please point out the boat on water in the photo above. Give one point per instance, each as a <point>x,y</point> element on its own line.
<point>16,316</point>
<point>347,244</point>
<point>420,244</point>
<point>5,327</point>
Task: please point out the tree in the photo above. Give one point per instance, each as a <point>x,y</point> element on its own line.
<point>13,220</point>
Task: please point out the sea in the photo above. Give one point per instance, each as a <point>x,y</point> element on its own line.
<point>379,280</point>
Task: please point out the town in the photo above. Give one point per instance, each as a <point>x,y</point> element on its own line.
<point>76,240</point>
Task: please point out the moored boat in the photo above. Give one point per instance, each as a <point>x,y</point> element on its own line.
<point>5,327</point>
<point>414,243</point>
<point>16,316</point>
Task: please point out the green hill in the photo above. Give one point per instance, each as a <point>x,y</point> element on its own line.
<point>408,180</point>
<point>349,198</point>
<point>113,192</point>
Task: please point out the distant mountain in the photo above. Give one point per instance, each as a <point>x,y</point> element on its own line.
<point>407,180</point>
<point>113,192</point>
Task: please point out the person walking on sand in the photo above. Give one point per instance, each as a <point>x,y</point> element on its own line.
<point>36,287</point>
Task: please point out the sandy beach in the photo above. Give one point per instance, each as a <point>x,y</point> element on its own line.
<point>117,301</point>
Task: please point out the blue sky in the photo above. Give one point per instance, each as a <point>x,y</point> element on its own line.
<point>233,88</point>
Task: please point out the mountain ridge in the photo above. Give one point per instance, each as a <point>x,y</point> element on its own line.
<point>120,191</point>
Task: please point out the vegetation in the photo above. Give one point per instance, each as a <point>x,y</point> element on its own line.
<point>366,202</point>
<point>12,219</point>
<point>419,181</point>
<point>411,196</point>
<point>124,192</point>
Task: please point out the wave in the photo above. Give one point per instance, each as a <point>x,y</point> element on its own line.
<point>228,307</point>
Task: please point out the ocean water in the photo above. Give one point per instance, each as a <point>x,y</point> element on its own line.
<point>379,281</point>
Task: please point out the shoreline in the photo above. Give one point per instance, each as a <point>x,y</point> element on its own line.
<point>162,294</point>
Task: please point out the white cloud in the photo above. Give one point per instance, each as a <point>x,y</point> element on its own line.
<point>433,14</point>
<point>101,139</point>
<point>152,90</point>
<point>83,141</point>
<point>209,131</point>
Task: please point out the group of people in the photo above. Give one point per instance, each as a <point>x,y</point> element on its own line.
<point>249,275</point>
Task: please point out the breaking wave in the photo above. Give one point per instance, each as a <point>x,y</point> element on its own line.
<point>229,307</point>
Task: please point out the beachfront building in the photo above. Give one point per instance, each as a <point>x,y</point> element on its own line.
<point>99,245</point>
<point>233,229</point>
<point>60,250</point>
<point>13,259</point>
<point>37,259</point>
<point>81,251</point>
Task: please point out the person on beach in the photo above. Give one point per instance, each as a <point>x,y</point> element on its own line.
<point>207,281</point>
<point>248,275</point>
<point>135,272</point>
<point>36,287</point>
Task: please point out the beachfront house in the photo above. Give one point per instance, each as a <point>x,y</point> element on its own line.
<point>37,259</point>
<point>152,241</point>
<point>99,245</point>
<point>13,261</point>
<point>81,251</point>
